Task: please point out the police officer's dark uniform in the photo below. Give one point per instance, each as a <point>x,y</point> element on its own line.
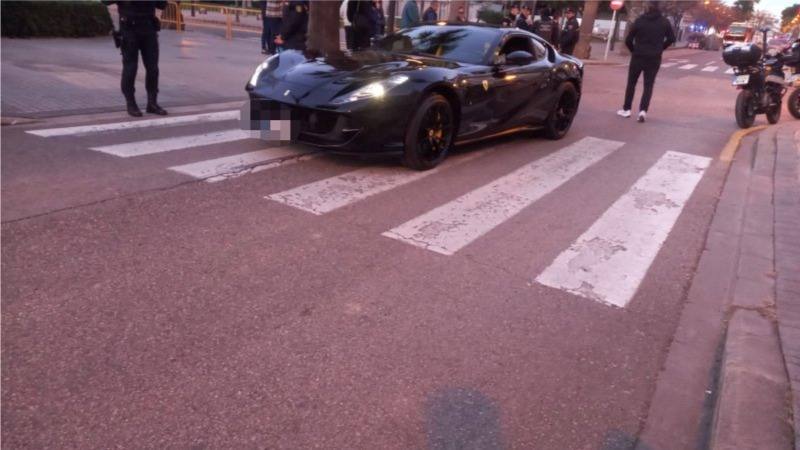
<point>295,26</point>
<point>570,34</point>
<point>139,28</point>
<point>546,28</point>
<point>359,13</point>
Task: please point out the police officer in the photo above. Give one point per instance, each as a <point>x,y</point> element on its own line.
<point>570,33</point>
<point>294,26</point>
<point>139,28</point>
<point>546,28</point>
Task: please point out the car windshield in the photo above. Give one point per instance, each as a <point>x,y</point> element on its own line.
<point>460,44</point>
<point>737,30</point>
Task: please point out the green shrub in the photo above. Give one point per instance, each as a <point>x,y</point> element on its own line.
<point>490,16</point>
<point>54,19</point>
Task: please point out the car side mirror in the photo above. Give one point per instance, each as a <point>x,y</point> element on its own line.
<point>519,58</point>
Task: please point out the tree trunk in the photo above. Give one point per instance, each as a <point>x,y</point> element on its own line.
<point>584,48</point>
<point>392,13</point>
<point>323,27</point>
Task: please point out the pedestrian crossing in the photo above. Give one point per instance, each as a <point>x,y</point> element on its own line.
<point>684,65</point>
<point>606,263</point>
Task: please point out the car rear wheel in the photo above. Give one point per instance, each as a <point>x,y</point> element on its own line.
<point>560,119</point>
<point>430,133</point>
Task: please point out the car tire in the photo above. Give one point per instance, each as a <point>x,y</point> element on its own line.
<point>560,119</point>
<point>793,103</point>
<point>745,114</point>
<point>430,133</point>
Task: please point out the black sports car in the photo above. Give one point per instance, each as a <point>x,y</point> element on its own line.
<point>417,92</point>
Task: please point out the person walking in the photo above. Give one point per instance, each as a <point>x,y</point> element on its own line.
<point>294,26</point>
<point>359,13</point>
<point>461,17</point>
<point>139,28</point>
<point>649,36</point>
<point>430,13</point>
<point>410,16</point>
<point>378,19</point>
<point>546,28</point>
<point>271,14</point>
<point>570,33</point>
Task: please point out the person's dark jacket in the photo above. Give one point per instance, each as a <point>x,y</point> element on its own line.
<point>294,26</point>
<point>359,13</point>
<point>570,35</point>
<point>141,14</point>
<point>522,22</point>
<point>650,35</point>
<point>429,15</point>
<point>547,29</point>
<point>378,20</point>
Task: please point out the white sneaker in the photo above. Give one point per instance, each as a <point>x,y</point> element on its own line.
<point>642,116</point>
<point>624,113</point>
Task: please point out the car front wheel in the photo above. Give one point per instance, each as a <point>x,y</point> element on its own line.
<point>430,133</point>
<point>560,119</point>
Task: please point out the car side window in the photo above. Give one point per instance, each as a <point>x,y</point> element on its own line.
<point>516,43</point>
<point>539,52</point>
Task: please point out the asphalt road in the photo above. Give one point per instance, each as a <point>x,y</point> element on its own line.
<point>147,308</point>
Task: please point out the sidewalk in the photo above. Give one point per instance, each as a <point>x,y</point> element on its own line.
<point>52,77</point>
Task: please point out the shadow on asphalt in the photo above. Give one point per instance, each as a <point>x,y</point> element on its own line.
<point>460,418</point>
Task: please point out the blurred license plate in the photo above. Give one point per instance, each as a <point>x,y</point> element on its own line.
<point>741,79</point>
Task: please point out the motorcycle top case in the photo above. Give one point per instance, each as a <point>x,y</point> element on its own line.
<point>742,55</point>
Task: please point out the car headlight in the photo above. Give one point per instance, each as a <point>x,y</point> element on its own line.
<point>261,67</point>
<point>377,89</point>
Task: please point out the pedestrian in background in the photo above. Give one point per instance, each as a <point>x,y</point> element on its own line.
<point>649,36</point>
<point>139,28</point>
<point>461,16</point>
<point>359,14</point>
<point>546,28</point>
<point>430,13</point>
<point>570,34</point>
<point>410,16</point>
<point>510,20</point>
<point>378,19</point>
<point>526,11</point>
<point>522,20</point>
<point>294,26</point>
<point>271,15</point>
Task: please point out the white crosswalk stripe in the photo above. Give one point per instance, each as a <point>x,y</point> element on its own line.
<point>687,66</point>
<point>667,65</point>
<point>131,149</point>
<point>454,225</point>
<point>134,124</point>
<point>220,169</point>
<point>336,192</point>
<point>608,262</point>
<point>729,71</point>
<point>710,69</point>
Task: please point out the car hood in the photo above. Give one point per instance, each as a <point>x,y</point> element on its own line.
<point>295,78</point>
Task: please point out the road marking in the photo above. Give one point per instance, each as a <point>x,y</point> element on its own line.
<point>710,69</point>
<point>681,61</point>
<point>330,194</point>
<point>687,66</point>
<point>140,148</point>
<point>729,71</point>
<point>220,169</point>
<point>608,262</point>
<point>164,121</point>
<point>454,225</point>
<point>711,62</point>
<point>665,65</point>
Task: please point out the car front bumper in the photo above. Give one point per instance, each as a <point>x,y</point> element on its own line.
<point>373,128</point>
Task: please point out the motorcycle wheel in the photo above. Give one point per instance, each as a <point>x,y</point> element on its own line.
<point>745,110</point>
<point>794,103</point>
<point>774,113</point>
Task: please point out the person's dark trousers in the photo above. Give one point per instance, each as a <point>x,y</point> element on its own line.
<point>134,42</point>
<point>639,64</point>
<point>568,50</point>
<point>272,28</point>
<point>361,38</point>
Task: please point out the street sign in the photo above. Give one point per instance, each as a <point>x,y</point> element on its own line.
<point>617,4</point>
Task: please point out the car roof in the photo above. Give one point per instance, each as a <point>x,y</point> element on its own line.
<point>500,31</point>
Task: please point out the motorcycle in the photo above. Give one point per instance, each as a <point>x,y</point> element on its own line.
<point>791,59</point>
<point>760,81</point>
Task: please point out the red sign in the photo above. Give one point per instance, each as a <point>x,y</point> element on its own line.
<point>617,4</point>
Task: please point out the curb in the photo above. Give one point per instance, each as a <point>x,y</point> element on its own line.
<point>729,151</point>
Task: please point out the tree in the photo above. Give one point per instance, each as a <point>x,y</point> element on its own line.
<point>744,8</point>
<point>583,49</point>
<point>323,27</point>
<point>789,14</point>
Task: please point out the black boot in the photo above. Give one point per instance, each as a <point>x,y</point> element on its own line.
<point>133,109</point>
<point>152,106</point>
